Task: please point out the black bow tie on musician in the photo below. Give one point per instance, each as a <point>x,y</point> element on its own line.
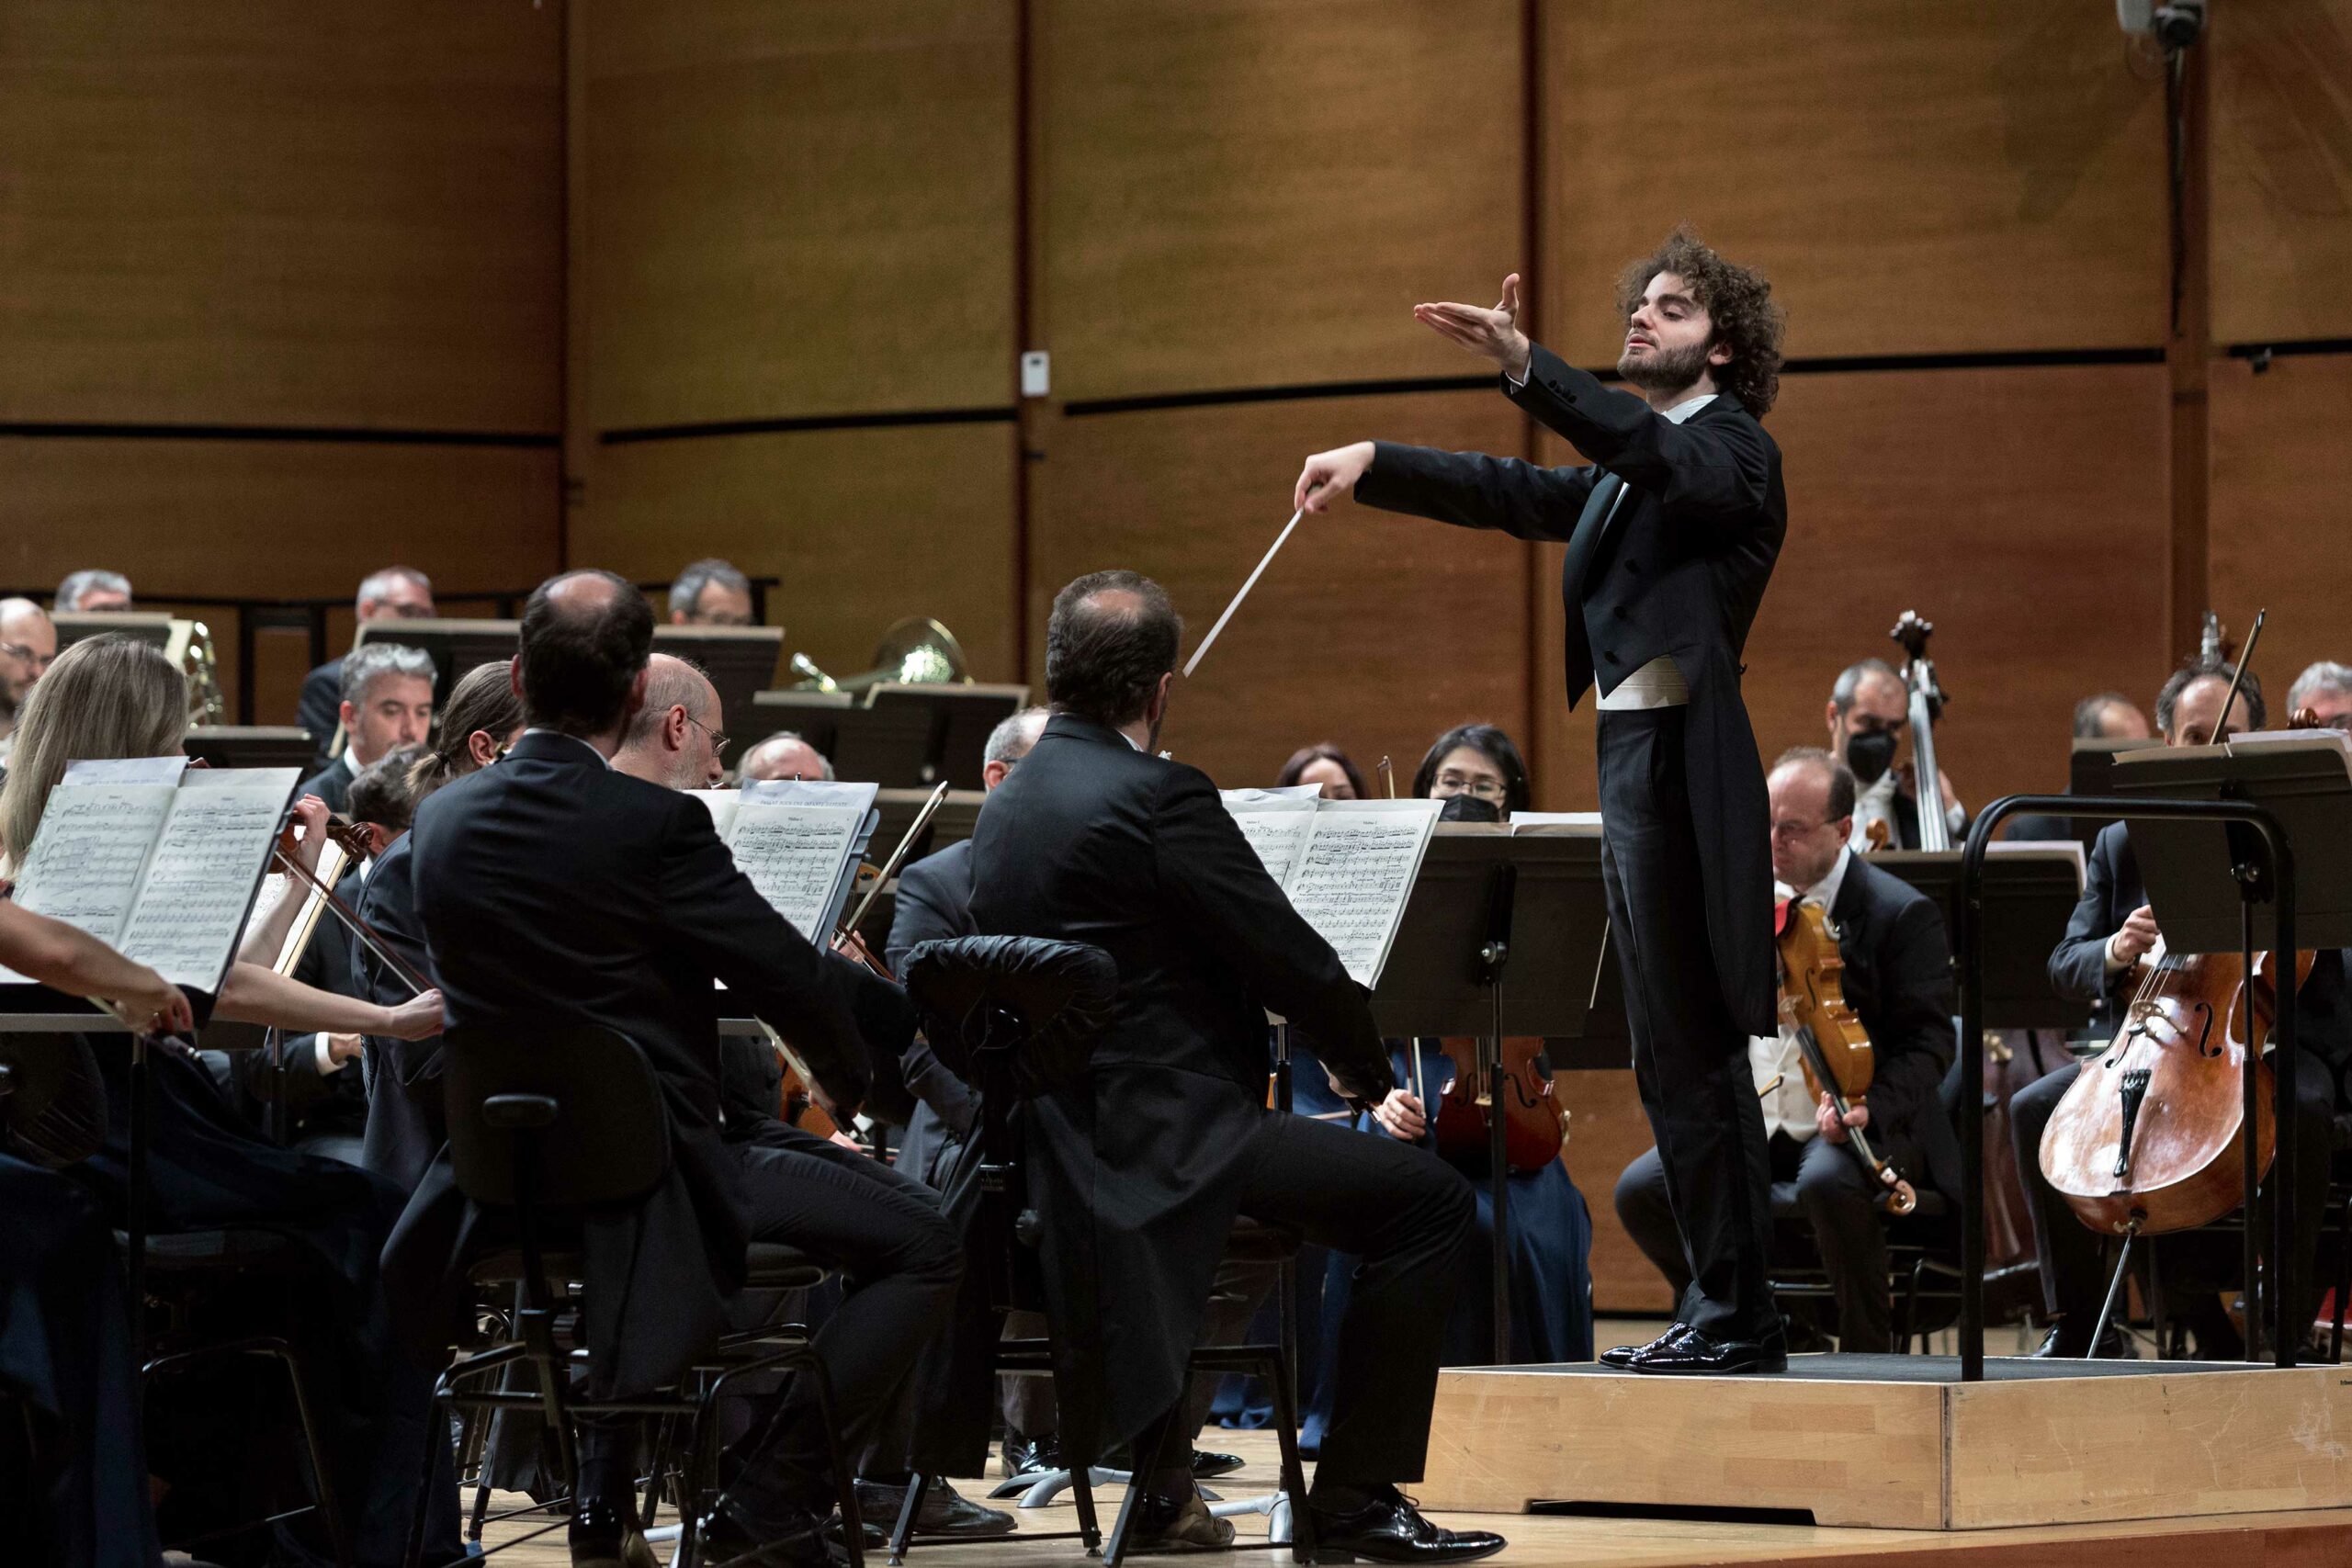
<point>1672,526</point>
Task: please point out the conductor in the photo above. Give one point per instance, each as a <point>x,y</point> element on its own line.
<point>1672,532</point>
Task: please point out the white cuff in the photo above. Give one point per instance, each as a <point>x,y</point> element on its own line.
<point>2114,963</point>
<point>324,1054</point>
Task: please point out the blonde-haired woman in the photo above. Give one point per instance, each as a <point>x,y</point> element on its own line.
<point>111,696</point>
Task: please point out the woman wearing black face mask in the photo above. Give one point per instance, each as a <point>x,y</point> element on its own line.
<point>1477,771</point>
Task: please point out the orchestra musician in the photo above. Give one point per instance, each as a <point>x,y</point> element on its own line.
<point>1899,980</point>
<point>399,591</point>
<point>1869,713</point>
<point>113,697</point>
<point>710,593</point>
<point>2103,715</point>
<point>406,1126</point>
<point>28,644</point>
<point>1093,838</point>
<point>92,590</point>
<point>2114,929</point>
<point>783,755</point>
<point>1671,535</point>
<point>387,702</point>
<point>2323,690</point>
<point>551,887</point>
<point>1326,766</point>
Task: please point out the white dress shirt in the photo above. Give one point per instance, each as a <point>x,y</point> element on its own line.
<point>1788,1105</point>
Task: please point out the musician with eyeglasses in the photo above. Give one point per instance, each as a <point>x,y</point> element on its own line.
<point>27,645</point>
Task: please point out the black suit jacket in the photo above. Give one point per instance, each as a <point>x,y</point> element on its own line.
<point>1899,981</point>
<point>2111,890</point>
<point>934,904</point>
<point>551,889</point>
<point>321,706</point>
<point>406,1126</point>
<point>1677,569</point>
<point>331,783</point>
<point>1135,1170</point>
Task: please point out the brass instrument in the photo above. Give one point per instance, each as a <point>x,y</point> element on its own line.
<point>205,703</point>
<point>917,651</point>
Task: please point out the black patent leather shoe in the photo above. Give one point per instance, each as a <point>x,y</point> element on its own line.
<point>2059,1345</point>
<point>1695,1353</point>
<point>944,1510</point>
<point>604,1534</point>
<point>1622,1355</point>
<point>1028,1456</point>
<point>1207,1465</point>
<point>1389,1529</point>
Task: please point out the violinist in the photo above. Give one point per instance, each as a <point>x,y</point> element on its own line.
<point>1096,838</point>
<point>1551,1229</point>
<point>387,702</point>
<point>1869,713</point>
<point>2324,691</point>
<point>1898,979</point>
<point>2112,930</point>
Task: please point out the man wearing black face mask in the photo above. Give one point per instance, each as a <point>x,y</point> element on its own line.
<point>1869,709</point>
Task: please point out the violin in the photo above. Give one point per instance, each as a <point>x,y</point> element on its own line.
<point>1836,1050</point>
<point>2150,1136</point>
<point>1535,1124</point>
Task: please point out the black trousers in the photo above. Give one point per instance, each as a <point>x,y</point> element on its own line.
<point>1836,1200</point>
<point>2074,1257</point>
<point>1408,1216</point>
<point>1690,1057</point>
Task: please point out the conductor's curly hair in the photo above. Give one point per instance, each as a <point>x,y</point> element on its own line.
<point>1737,301</point>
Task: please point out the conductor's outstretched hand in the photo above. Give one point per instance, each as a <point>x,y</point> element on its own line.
<point>1331,475</point>
<point>1494,333</point>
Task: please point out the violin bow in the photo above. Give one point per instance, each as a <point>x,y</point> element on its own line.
<point>890,866</point>
<point>370,937</point>
<point>2245,662</point>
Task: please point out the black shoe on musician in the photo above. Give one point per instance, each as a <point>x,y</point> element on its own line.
<point>1384,1527</point>
<point>1622,1355</point>
<point>2059,1345</point>
<point>735,1536</point>
<point>604,1534</point>
<point>1165,1523</point>
<point>1031,1456</point>
<point>1207,1466</point>
<point>944,1510</point>
<point>1696,1353</point>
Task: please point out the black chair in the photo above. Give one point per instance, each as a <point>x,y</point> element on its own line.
<point>547,1124</point>
<point>1017,1017</point>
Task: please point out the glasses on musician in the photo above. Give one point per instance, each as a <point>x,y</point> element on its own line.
<point>718,738</point>
<point>24,653</point>
<point>1462,784</point>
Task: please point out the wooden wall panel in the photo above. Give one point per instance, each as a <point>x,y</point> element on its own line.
<point>2023,512</point>
<point>1607,1129</point>
<point>802,209</point>
<point>864,526</point>
<point>2282,511</point>
<point>1242,195</point>
<point>295,519</point>
<point>1371,630</point>
<point>1913,178</point>
<point>282,213</point>
<point>2283,169</point>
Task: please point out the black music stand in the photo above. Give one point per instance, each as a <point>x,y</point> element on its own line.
<point>254,746</point>
<point>1483,895</point>
<point>2250,863</point>
<point>957,721</point>
<point>2030,893</point>
<point>456,647</point>
<point>741,662</point>
<point>145,626</point>
<point>2087,774</point>
<point>951,824</point>
<point>891,746</point>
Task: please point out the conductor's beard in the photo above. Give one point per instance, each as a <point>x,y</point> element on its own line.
<point>1665,370</point>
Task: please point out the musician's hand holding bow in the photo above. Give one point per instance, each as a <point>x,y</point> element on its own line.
<point>154,1005</point>
<point>1494,333</point>
<point>1833,1127</point>
<point>2136,939</point>
<point>419,1018</point>
<point>1402,1116</point>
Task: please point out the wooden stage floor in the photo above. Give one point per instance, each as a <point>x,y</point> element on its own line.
<point>2300,1540</point>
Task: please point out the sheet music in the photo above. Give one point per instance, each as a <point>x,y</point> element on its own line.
<point>204,869</point>
<point>794,838</point>
<point>1357,870</point>
<point>1572,823</point>
<point>2070,849</point>
<point>2335,740</point>
<point>723,804</point>
<point>87,857</point>
<point>1277,822</point>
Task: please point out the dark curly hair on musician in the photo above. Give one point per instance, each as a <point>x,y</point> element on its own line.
<point>1490,742</point>
<point>2222,670</point>
<point>1738,304</point>
<point>586,635</point>
<point>379,796</point>
<point>1112,636</point>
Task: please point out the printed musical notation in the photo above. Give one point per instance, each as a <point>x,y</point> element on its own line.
<point>793,855</point>
<point>1348,866</point>
<point>89,852</point>
<point>201,878</point>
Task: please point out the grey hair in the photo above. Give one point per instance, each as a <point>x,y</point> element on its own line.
<point>376,586</point>
<point>686,592</point>
<point>750,752</point>
<point>670,682</point>
<point>1850,679</point>
<point>2091,712</point>
<point>373,661</point>
<point>78,583</point>
<point>1010,741</point>
<point>2326,675</point>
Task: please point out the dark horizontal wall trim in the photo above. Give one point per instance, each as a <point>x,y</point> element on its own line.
<point>71,430</point>
<point>2262,352</point>
<point>811,422</point>
<point>1279,394</point>
<point>1827,365</point>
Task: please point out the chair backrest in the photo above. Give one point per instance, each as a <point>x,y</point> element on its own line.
<point>606,1140</point>
<point>1041,1002</point>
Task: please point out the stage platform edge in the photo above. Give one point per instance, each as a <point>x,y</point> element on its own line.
<point>1898,1442</point>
